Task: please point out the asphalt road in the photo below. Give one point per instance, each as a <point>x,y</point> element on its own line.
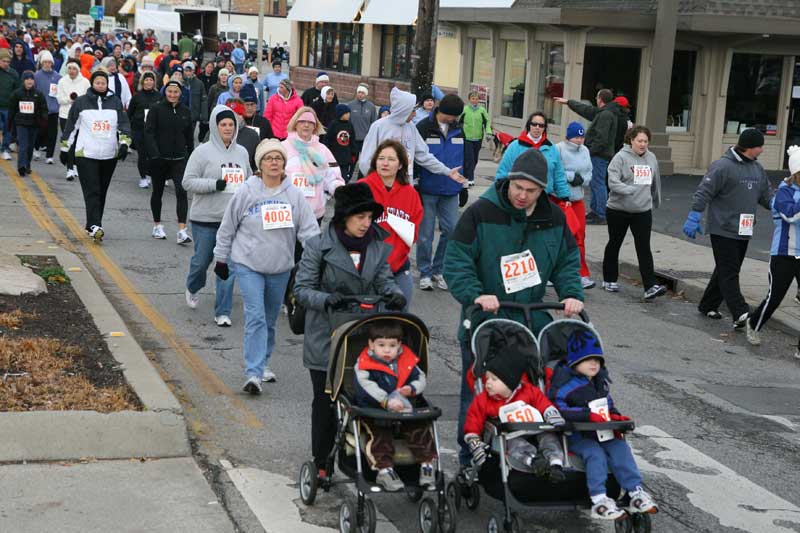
<point>717,418</point>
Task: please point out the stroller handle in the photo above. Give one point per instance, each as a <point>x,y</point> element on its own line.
<point>527,309</point>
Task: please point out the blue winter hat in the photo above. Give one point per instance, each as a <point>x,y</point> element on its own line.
<point>384,108</point>
<point>248,93</point>
<point>575,129</point>
<point>583,345</point>
<point>27,75</point>
<point>341,110</point>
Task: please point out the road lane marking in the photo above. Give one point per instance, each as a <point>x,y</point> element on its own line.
<point>716,489</point>
<point>207,379</point>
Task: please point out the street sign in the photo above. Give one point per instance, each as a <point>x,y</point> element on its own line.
<point>2,12</point>
<point>83,23</point>
<point>18,8</point>
<point>96,12</point>
<point>107,24</point>
<point>55,8</point>
<point>33,14</point>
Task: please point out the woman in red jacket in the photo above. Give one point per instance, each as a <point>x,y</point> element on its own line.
<point>402,209</point>
<point>281,107</point>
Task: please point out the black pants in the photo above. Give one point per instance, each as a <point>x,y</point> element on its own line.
<point>783,269</point>
<point>95,177</point>
<point>141,153</point>
<point>323,420</point>
<point>724,283</point>
<point>202,131</point>
<point>47,136</point>
<point>640,225</point>
<point>163,170</point>
<point>62,122</point>
<point>347,171</point>
<point>472,150</point>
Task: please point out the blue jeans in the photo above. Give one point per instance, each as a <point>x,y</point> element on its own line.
<point>263,296</point>
<point>464,455</point>
<point>205,238</point>
<point>446,208</point>
<point>26,138</point>
<point>5,130</point>
<point>405,281</point>
<point>598,186</point>
<point>599,456</point>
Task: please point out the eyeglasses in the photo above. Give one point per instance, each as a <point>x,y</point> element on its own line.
<point>538,125</point>
<point>271,159</point>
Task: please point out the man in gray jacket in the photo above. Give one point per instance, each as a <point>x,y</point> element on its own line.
<point>362,114</point>
<point>731,189</point>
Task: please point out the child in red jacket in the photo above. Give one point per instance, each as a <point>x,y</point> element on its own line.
<point>504,387</point>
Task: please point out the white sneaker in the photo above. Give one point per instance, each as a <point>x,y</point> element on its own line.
<point>269,376</point>
<point>183,237</point>
<point>192,299</point>
<point>158,232</point>
<point>606,509</point>
<point>587,282</point>
<point>753,336</point>
<point>37,155</point>
<point>5,155</point>
<point>12,147</point>
<point>641,502</point>
<point>49,161</point>
<point>71,174</point>
<point>144,183</point>
<point>438,279</point>
<point>611,286</point>
<point>96,233</point>
<point>425,284</point>
<point>223,321</point>
<point>252,385</point>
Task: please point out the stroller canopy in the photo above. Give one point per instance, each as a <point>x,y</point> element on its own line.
<point>495,336</point>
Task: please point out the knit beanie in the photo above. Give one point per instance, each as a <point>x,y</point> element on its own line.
<point>582,345</point>
<point>750,138</point>
<point>96,73</point>
<point>362,88</point>
<point>508,364</point>
<point>45,55</point>
<point>222,115</point>
<point>322,76</point>
<point>27,75</point>
<point>287,84</point>
<point>530,165</point>
<point>452,105</point>
<point>384,108</point>
<point>266,146</point>
<point>224,72</point>
<point>341,110</point>
<point>352,199</point>
<point>794,159</point>
<point>575,129</point>
<point>248,93</point>
<point>426,96</point>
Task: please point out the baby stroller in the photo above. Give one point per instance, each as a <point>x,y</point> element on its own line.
<point>498,476</point>
<point>348,340</point>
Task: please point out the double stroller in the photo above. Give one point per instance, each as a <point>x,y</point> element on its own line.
<point>499,476</point>
<point>348,340</point>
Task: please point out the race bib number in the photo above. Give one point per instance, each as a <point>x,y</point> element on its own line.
<point>519,411</point>
<point>234,177</point>
<point>26,108</point>
<point>746,224</point>
<point>276,216</point>
<point>53,89</point>
<point>642,175</point>
<point>519,272</point>
<point>101,129</point>
<point>300,181</point>
<point>600,407</point>
<point>356,257</point>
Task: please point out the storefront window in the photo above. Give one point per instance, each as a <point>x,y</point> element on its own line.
<point>753,93</point>
<point>397,47</point>
<point>679,110</point>
<point>551,81</point>
<point>482,63</point>
<point>331,46</point>
<point>514,80</point>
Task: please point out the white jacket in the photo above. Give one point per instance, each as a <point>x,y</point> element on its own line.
<point>67,86</point>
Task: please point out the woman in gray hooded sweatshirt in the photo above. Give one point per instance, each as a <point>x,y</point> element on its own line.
<point>634,189</point>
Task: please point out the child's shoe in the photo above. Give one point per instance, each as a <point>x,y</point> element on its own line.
<point>389,480</point>
<point>427,476</point>
<point>539,464</point>
<point>641,502</point>
<point>557,474</point>
<point>606,509</point>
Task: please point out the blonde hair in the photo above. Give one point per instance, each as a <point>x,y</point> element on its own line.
<point>292,126</point>
<point>794,179</point>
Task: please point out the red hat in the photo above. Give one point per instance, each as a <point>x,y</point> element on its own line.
<point>236,107</point>
<point>621,100</point>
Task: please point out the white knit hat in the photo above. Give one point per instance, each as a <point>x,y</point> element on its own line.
<point>266,146</point>
<point>45,55</point>
<point>794,159</point>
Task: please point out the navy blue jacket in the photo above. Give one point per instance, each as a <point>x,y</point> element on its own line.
<point>448,150</point>
<point>571,392</point>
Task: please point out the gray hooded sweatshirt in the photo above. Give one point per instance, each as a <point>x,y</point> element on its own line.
<point>397,126</point>
<point>206,165</point>
<point>243,236</point>
<point>733,186</point>
<point>628,177</point>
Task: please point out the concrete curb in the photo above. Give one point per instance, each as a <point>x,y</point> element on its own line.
<point>159,431</point>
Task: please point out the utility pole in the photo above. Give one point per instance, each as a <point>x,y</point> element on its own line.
<point>98,3</point>
<point>260,38</point>
<point>425,46</point>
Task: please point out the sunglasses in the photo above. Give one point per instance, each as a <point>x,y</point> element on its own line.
<point>538,124</point>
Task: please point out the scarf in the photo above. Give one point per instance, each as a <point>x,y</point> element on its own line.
<point>355,244</point>
<point>312,161</point>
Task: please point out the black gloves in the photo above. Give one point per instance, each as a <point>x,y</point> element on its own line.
<point>221,184</point>
<point>123,152</point>
<point>221,270</point>
<point>463,196</point>
<point>577,180</point>
<point>395,302</point>
<point>73,96</point>
<point>334,300</point>
<point>63,157</point>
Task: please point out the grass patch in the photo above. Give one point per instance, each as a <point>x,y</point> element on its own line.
<point>54,275</point>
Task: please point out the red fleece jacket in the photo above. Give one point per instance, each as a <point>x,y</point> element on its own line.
<point>485,406</point>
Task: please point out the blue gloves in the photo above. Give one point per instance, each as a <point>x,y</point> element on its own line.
<point>692,225</point>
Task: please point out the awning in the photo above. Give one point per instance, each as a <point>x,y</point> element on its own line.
<point>391,12</point>
<point>148,19</point>
<point>476,3</point>
<point>324,10</point>
<point>128,8</point>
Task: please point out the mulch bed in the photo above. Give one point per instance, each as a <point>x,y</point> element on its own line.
<point>52,356</point>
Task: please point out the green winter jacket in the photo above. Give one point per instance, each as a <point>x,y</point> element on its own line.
<point>476,123</point>
<point>491,228</point>
<point>9,82</point>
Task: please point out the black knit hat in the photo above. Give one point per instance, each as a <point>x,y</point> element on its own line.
<point>508,364</point>
<point>352,199</point>
<point>227,113</point>
<point>530,165</point>
<point>96,74</point>
<point>451,104</point>
<point>751,138</point>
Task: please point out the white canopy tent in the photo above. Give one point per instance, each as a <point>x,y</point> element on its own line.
<point>148,19</point>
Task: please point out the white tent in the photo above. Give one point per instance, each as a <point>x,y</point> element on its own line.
<point>148,19</point>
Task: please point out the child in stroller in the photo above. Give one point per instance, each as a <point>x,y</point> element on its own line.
<point>580,389</point>
<point>507,393</point>
<point>386,376</point>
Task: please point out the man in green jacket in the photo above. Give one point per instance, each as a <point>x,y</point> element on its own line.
<point>507,246</point>
<point>9,82</point>
<point>476,124</point>
<point>185,46</point>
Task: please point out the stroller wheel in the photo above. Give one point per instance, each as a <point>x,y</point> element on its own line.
<point>513,526</point>
<point>428,519</point>
<point>473,496</point>
<point>369,520</point>
<point>348,518</point>
<point>414,494</point>
<point>642,523</point>
<point>624,524</point>
<point>454,494</point>
<point>308,482</point>
<point>447,516</point>
<point>493,526</point>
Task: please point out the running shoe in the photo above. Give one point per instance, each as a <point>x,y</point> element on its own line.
<point>37,155</point>
<point>654,292</point>
<point>389,480</point>
<point>587,282</point>
<point>268,376</point>
<point>252,385</point>
<point>438,279</point>
<point>49,161</point>
<point>425,284</point>
<point>5,155</point>
<point>96,233</point>
<point>144,183</point>
<point>192,299</point>
<point>183,237</point>
<point>713,314</point>
<point>740,322</point>
<point>753,335</point>
<point>641,502</point>
<point>223,321</point>
<point>606,509</point>
<point>611,286</point>
<point>71,174</point>
<point>158,232</point>
<point>12,147</point>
